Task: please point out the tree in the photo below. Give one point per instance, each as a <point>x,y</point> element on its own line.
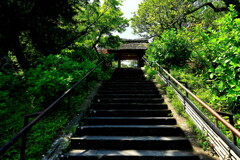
<point>35,28</point>
<point>35,22</point>
<point>155,16</point>
<point>106,19</point>
<point>97,22</point>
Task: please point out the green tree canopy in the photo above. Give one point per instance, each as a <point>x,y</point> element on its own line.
<point>155,16</point>
<point>35,28</point>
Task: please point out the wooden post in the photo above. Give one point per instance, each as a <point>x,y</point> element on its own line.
<point>119,62</point>
<point>139,62</point>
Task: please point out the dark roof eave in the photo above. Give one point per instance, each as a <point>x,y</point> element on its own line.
<point>126,49</point>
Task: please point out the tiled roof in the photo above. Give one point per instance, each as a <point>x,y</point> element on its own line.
<point>134,44</point>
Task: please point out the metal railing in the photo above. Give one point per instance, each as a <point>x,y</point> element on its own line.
<point>40,115</point>
<point>225,149</point>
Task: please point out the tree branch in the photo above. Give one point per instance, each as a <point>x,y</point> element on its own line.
<point>210,5</point>
<point>199,7</point>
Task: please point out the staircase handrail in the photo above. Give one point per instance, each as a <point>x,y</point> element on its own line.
<point>213,112</point>
<point>25,129</point>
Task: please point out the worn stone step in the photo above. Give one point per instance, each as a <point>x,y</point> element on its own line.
<point>127,95</point>
<point>128,106</point>
<point>130,112</point>
<point>130,142</point>
<point>127,88</point>
<point>142,82</point>
<point>128,100</point>
<point>119,74</point>
<point>126,73</point>
<point>145,82</point>
<point>152,91</point>
<point>129,121</point>
<point>129,155</point>
<point>131,79</point>
<point>131,75</point>
<point>128,80</point>
<point>129,130</point>
<point>116,73</point>
<point>115,85</point>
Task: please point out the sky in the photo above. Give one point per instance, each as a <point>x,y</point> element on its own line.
<point>128,7</point>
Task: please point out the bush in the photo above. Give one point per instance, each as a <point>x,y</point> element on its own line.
<point>216,50</point>
<point>36,89</point>
<point>55,75</point>
<point>172,49</point>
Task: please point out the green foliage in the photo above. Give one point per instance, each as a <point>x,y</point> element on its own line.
<point>224,72</point>
<point>33,24</point>
<point>55,75</point>
<point>150,72</point>
<point>212,72</point>
<point>172,49</point>
<point>36,89</point>
<point>32,29</point>
<point>100,22</point>
<point>55,43</point>
<point>213,54</point>
<point>155,16</point>
<point>216,55</point>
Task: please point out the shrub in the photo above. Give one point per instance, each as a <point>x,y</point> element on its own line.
<point>171,49</point>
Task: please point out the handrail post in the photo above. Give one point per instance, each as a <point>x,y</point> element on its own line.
<point>86,87</point>
<point>69,101</point>
<point>169,78</point>
<point>24,137</point>
<point>168,70</point>
<point>231,121</point>
<point>24,140</point>
<point>186,85</point>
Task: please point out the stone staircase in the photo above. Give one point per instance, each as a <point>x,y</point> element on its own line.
<point>128,121</point>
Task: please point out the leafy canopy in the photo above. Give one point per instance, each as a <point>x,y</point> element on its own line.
<point>35,28</point>
<point>155,16</point>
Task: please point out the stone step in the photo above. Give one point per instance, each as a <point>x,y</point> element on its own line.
<point>128,106</point>
<point>129,155</point>
<point>142,82</point>
<point>152,91</point>
<point>129,130</point>
<point>114,85</point>
<point>130,113</point>
<point>128,100</point>
<point>129,121</point>
<point>131,75</point>
<point>135,82</point>
<point>128,77</point>
<point>109,88</point>
<point>127,73</point>
<point>130,142</point>
<point>127,95</point>
<point>133,78</point>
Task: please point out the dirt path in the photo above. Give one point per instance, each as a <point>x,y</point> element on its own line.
<point>181,121</point>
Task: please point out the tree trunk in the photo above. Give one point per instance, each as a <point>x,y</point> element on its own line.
<point>24,64</point>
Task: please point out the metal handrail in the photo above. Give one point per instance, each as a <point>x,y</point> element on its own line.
<point>213,112</point>
<point>4,148</point>
<point>223,147</point>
